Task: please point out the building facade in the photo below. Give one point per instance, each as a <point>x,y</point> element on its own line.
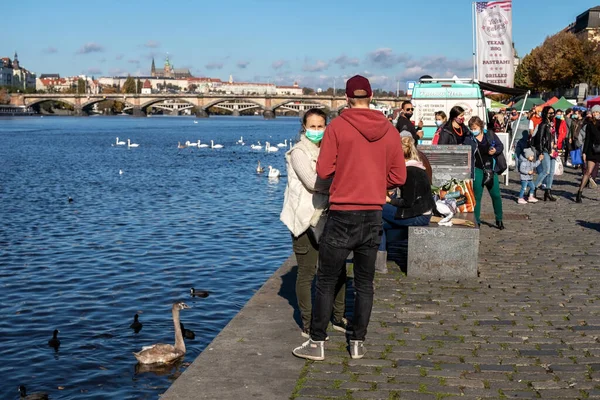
<point>587,25</point>
<point>169,71</point>
<point>14,75</point>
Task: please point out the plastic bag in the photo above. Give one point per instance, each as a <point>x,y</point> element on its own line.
<point>559,169</point>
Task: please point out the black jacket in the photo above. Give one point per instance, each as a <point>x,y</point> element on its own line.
<point>447,135</point>
<point>477,158</point>
<point>592,137</point>
<point>416,198</point>
<point>404,124</point>
<point>542,141</point>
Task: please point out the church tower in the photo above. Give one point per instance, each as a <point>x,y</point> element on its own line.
<point>153,68</point>
<point>15,62</point>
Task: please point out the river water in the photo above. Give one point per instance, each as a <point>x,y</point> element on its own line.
<point>127,243</point>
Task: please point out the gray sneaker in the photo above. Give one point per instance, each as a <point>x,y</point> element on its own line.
<point>311,350</point>
<point>357,349</point>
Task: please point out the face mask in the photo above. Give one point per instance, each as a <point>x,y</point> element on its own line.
<point>460,120</point>
<point>314,136</point>
<point>439,123</point>
<point>476,133</point>
<point>408,114</point>
<point>559,117</point>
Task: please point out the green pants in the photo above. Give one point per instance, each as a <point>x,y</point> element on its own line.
<point>494,193</point>
<point>307,256</point>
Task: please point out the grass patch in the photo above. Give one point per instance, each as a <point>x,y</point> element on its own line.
<point>301,380</point>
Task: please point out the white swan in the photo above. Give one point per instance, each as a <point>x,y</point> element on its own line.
<point>241,141</point>
<point>215,146</point>
<point>181,146</point>
<point>256,146</point>
<point>270,149</point>
<point>129,144</point>
<point>202,145</point>
<point>259,169</point>
<point>194,144</point>
<point>284,144</point>
<point>274,172</point>
<point>121,143</point>
<point>195,121</point>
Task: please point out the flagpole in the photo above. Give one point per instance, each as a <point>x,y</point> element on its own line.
<point>474,32</point>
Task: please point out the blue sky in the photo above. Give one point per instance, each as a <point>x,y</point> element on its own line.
<point>280,41</point>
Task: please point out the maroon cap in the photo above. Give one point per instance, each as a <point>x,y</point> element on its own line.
<point>358,87</point>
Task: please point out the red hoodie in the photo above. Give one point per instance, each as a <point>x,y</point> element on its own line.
<point>363,153</point>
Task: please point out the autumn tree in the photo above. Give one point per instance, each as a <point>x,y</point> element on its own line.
<point>81,86</point>
<point>4,96</point>
<point>129,85</point>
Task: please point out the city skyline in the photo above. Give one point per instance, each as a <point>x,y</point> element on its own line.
<point>268,41</point>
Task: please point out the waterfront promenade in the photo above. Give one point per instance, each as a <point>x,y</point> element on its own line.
<point>528,327</point>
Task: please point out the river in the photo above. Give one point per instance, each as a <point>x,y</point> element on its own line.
<point>143,226</point>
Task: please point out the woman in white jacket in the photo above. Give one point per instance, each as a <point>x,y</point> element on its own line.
<point>306,197</point>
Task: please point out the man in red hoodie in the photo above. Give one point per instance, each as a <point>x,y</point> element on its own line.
<point>363,153</point>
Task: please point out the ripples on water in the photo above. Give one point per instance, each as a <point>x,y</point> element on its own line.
<point>130,243</point>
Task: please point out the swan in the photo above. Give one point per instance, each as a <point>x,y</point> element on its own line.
<point>241,141</point>
<point>259,169</point>
<point>120,172</point>
<point>129,144</point>
<point>136,325</point>
<point>181,146</point>
<point>215,146</point>
<point>284,144</point>
<point>274,172</point>
<point>187,333</point>
<point>202,145</point>
<point>195,121</point>
<point>199,293</point>
<point>165,353</point>
<point>121,143</point>
<point>194,144</point>
<point>256,146</point>
<point>270,149</point>
<point>55,341</point>
<point>32,396</point>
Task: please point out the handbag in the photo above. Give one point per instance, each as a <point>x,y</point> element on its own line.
<point>461,190</point>
<point>317,230</point>
<point>576,157</point>
<point>559,169</point>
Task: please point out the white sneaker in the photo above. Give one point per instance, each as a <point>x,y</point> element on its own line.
<point>532,199</point>
<point>311,350</point>
<point>357,349</point>
<point>593,183</point>
<point>522,201</point>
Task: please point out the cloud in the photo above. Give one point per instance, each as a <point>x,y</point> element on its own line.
<point>385,58</point>
<point>90,48</point>
<point>214,65</point>
<point>93,71</point>
<point>279,64</point>
<point>344,61</point>
<point>119,57</point>
<point>152,44</point>
<point>50,50</point>
<point>242,64</point>
<point>436,66</point>
<point>117,72</point>
<point>316,67</point>
<point>133,61</point>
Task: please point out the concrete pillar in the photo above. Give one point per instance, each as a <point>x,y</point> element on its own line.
<point>301,114</point>
<point>236,113</point>
<point>174,111</point>
<point>137,112</point>
<point>269,114</point>
<point>201,113</point>
<point>80,112</point>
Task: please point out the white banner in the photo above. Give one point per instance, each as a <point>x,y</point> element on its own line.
<point>493,27</point>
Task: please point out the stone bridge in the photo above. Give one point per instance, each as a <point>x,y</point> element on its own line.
<point>138,103</point>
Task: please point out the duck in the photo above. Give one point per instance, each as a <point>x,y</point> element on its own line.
<point>284,144</point>
<point>33,396</point>
<point>215,146</point>
<point>203,145</point>
<point>274,172</point>
<point>194,144</point>
<point>129,144</point>
<point>120,143</point>
<point>187,333</point>
<point>256,146</point>
<point>165,353</point>
<point>199,293</point>
<point>70,199</point>
<point>181,146</point>
<point>259,169</point>
<point>270,149</point>
<point>136,325</point>
<point>55,341</point>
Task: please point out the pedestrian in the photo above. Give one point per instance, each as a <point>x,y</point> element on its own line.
<point>440,121</point>
<point>591,149</point>
<point>545,143</point>
<point>306,197</point>
<point>405,124</point>
<point>535,118</point>
<point>527,166</point>
<point>362,152</point>
<point>454,130</point>
<point>486,148</point>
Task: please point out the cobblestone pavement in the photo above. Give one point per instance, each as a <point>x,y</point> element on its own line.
<point>528,327</point>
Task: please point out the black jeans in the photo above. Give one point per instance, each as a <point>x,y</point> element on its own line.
<point>346,231</point>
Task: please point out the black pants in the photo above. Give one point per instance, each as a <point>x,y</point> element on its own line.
<point>346,231</point>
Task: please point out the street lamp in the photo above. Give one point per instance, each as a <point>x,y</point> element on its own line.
<point>333,87</point>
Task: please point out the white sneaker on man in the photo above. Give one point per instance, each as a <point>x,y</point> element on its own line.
<point>532,199</point>
<point>522,201</point>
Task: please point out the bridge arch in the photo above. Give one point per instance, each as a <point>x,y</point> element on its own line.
<point>225,100</point>
<point>34,101</point>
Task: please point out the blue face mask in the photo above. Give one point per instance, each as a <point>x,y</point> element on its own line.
<point>476,133</point>
<point>314,136</point>
<point>439,123</point>
<point>559,117</point>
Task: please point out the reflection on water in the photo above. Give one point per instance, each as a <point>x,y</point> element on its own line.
<point>127,243</point>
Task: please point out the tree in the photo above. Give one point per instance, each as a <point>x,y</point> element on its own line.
<point>129,85</point>
<point>308,91</point>
<point>81,86</point>
<point>138,86</point>
<point>4,96</point>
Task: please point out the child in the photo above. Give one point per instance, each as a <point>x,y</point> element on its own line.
<point>526,168</point>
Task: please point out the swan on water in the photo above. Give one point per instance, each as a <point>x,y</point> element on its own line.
<point>129,144</point>
<point>259,169</point>
<point>121,143</point>
<point>165,353</point>
<point>181,146</point>
<point>215,146</point>
<point>256,146</point>
<point>120,172</point>
<point>203,145</point>
<point>284,144</point>
<point>199,293</point>
<point>33,396</point>
<point>189,144</point>
<point>270,149</point>
<point>136,325</point>
<point>274,172</point>
<point>55,341</point>
<point>195,121</point>
<point>241,141</point>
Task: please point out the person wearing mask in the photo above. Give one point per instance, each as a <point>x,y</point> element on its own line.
<point>561,130</point>
<point>454,130</point>
<point>573,133</point>
<point>545,143</point>
<point>362,152</point>
<point>569,117</point>
<point>591,149</point>
<point>486,148</point>
<point>440,121</point>
<point>306,198</point>
<point>535,118</point>
<point>405,124</point>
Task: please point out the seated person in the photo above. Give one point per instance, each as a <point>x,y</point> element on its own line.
<point>413,205</point>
